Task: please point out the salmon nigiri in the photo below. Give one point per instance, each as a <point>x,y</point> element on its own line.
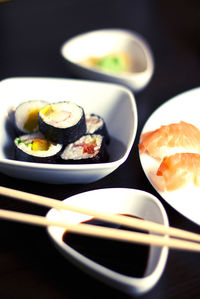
<point>170,139</point>
<point>178,170</point>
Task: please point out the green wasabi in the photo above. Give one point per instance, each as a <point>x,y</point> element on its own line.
<point>112,63</point>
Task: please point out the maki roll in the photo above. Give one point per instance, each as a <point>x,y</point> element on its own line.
<point>96,125</point>
<point>26,116</point>
<point>62,122</point>
<point>87,149</point>
<point>35,148</point>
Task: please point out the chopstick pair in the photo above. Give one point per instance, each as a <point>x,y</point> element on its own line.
<point>93,230</point>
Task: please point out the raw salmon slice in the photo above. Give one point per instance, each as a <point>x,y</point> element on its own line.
<point>171,139</point>
<point>178,170</point>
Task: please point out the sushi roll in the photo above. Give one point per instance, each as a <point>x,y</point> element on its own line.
<point>26,116</point>
<point>96,125</point>
<point>87,149</point>
<point>62,122</point>
<point>35,148</point>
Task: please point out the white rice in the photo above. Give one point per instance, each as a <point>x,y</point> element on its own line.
<point>75,152</point>
<point>93,123</point>
<point>75,111</point>
<point>53,149</point>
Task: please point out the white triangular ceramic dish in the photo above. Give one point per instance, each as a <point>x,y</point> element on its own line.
<point>114,200</point>
<point>103,42</point>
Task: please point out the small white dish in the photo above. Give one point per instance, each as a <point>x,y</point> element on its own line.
<point>183,107</point>
<point>114,200</point>
<point>114,103</point>
<point>107,41</point>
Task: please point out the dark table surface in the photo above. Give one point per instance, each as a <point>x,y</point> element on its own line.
<point>31,33</point>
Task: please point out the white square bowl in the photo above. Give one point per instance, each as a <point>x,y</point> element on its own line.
<point>118,201</point>
<point>114,103</point>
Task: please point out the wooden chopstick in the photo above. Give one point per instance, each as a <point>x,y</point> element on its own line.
<point>113,218</point>
<point>105,232</point>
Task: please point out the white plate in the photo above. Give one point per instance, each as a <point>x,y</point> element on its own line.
<point>114,103</point>
<point>186,107</point>
<point>114,200</point>
<point>103,42</point>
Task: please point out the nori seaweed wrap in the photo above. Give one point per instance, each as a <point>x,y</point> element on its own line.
<point>96,125</point>
<point>62,122</point>
<point>35,148</point>
<point>88,149</point>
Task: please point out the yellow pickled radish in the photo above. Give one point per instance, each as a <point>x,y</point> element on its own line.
<point>48,110</point>
<point>40,145</point>
<point>32,120</point>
